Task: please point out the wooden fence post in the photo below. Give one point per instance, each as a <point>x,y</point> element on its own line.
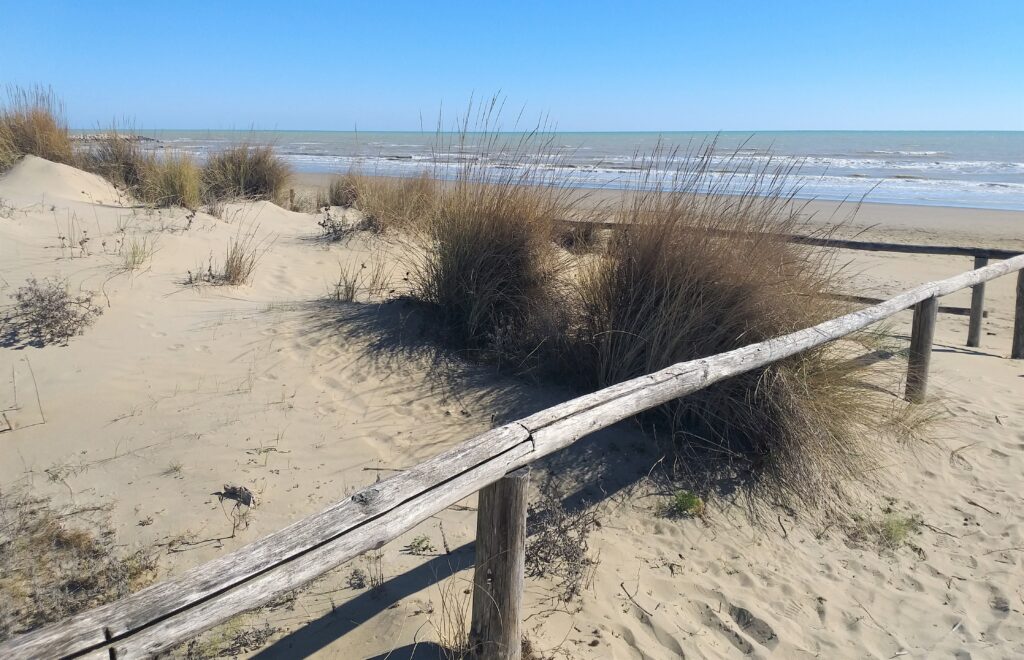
<point>291,199</point>
<point>977,307</point>
<point>921,338</point>
<point>1017,352</point>
<point>496,629</point>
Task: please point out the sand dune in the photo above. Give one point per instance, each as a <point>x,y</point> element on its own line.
<point>179,389</point>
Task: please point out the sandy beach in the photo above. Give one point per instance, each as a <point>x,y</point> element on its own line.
<point>179,390</point>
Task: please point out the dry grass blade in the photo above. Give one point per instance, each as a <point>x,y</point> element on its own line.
<point>243,253</point>
<point>135,251</point>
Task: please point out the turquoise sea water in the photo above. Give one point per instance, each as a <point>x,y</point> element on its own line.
<point>981,169</point>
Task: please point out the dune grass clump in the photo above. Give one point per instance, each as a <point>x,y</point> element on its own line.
<point>702,268</point>
<point>172,179</point>
<point>246,172</point>
<point>55,563</point>
<point>120,160</point>
<point>394,203</point>
<point>344,190</point>
<point>33,122</point>
<point>490,269</point>
<point>243,253</point>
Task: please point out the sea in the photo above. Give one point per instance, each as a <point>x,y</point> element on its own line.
<point>974,169</point>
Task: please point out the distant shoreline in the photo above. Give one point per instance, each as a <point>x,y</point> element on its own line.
<point>960,169</point>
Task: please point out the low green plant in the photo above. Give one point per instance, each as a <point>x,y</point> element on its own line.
<point>420,545</point>
<point>889,531</point>
<point>684,503</point>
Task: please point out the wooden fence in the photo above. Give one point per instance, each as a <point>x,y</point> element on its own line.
<point>163,615</point>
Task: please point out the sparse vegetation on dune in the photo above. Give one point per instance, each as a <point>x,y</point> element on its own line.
<point>246,172</point>
<point>32,121</point>
<point>55,563</point>
<point>241,257</point>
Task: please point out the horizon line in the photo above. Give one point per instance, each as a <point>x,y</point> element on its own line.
<point>645,131</point>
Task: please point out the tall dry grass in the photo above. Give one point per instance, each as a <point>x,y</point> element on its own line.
<point>170,178</point>
<point>246,172</point>
<point>392,203</point>
<point>700,268</point>
<point>33,121</point>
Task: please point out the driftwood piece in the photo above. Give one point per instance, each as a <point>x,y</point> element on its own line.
<point>163,615</point>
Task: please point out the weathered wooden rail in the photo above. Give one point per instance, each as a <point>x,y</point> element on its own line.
<point>163,615</point>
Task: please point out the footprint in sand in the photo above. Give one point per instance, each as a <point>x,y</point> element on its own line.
<point>756,628</point>
<point>711,620</point>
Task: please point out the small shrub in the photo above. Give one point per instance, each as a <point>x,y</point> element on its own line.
<point>333,227</point>
<point>558,545</point>
<point>684,504</point>
<point>357,579</point>
<point>46,312</point>
<point>246,172</point>
<point>32,121</point>
<point>702,267</point>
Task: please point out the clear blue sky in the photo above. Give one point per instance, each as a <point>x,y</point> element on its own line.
<point>620,65</point>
